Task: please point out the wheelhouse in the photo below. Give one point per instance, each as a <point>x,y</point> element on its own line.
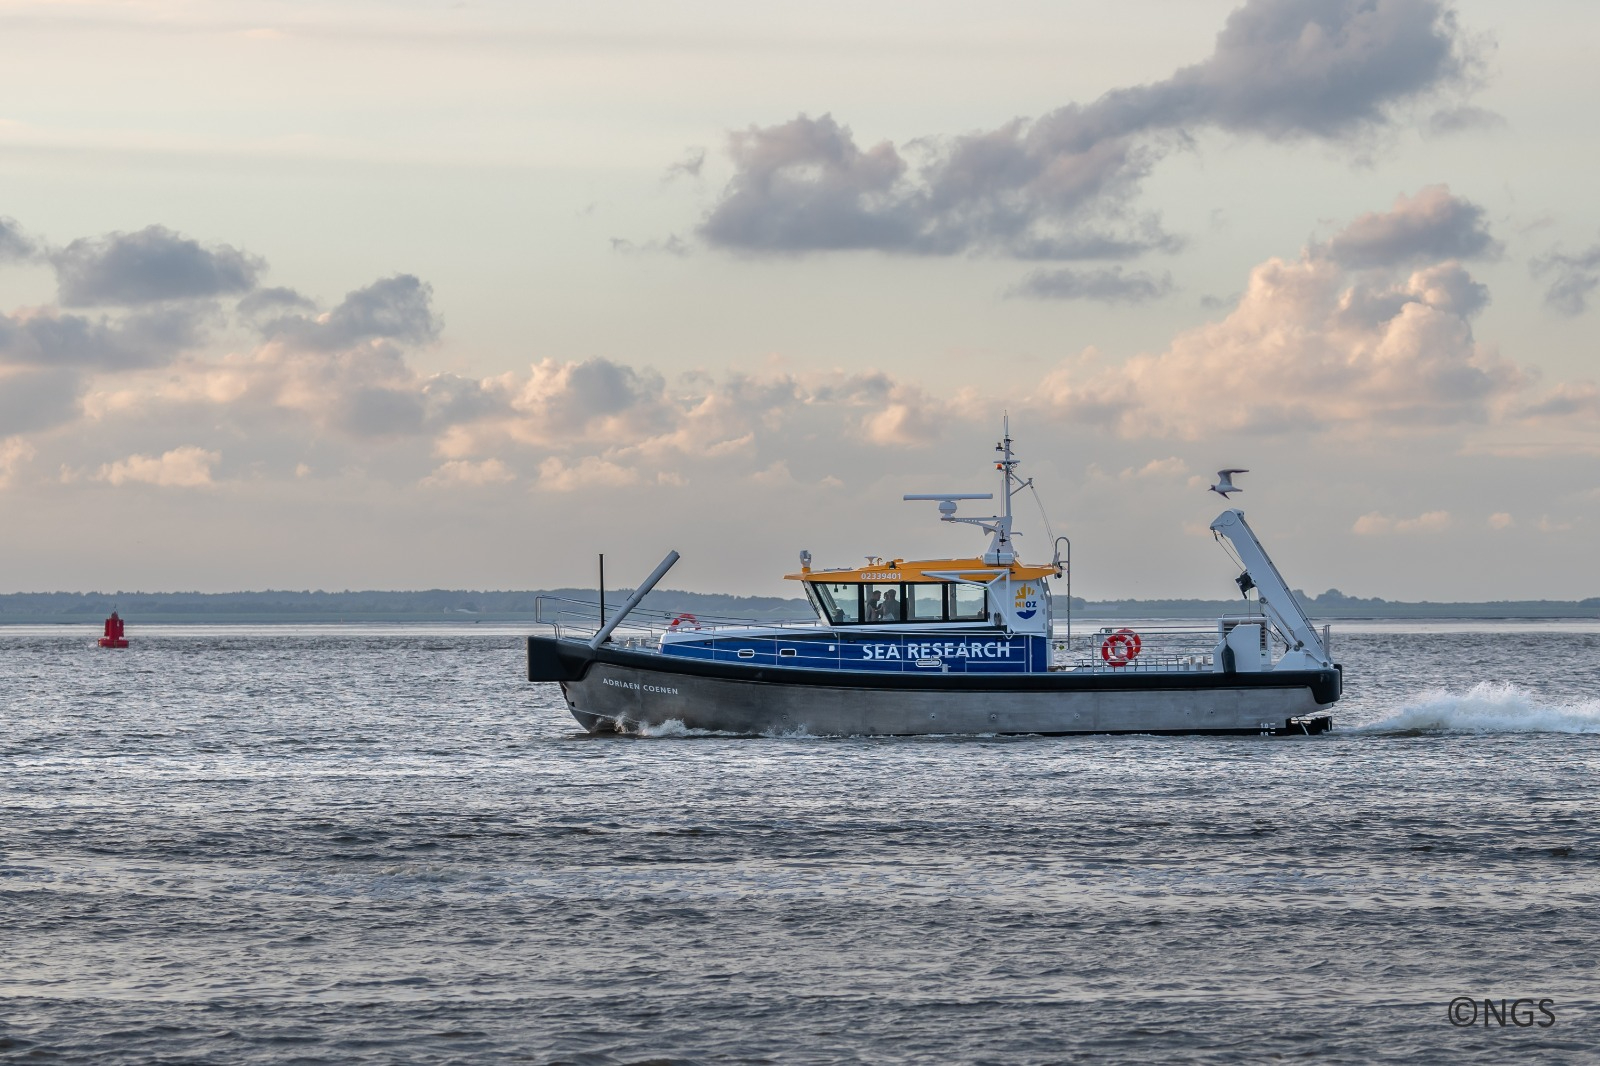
<point>959,592</point>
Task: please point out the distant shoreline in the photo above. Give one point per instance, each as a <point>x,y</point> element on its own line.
<point>466,606</point>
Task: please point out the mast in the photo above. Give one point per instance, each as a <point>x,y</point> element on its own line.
<point>1001,551</point>
<point>1007,467</point>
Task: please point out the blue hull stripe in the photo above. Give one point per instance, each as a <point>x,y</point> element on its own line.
<point>897,653</point>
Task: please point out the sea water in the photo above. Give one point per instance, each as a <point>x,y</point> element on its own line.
<point>381,845</point>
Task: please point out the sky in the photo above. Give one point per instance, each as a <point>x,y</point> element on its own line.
<point>410,294</point>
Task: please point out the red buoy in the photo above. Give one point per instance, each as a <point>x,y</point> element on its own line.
<point>114,633</point>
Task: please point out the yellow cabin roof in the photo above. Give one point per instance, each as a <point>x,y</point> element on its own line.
<point>896,570</point>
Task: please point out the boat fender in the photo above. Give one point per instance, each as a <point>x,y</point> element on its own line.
<point>684,621</point>
<point>1121,647</point>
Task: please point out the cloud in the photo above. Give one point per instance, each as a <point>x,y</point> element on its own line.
<point>367,392</point>
<point>805,186</point>
<point>1377,524</point>
<point>1427,227</point>
<point>142,271</point>
<point>1110,285</point>
<point>591,471</point>
<point>1567,400</point>
<point>188,467</point>
<point>594,399</point>
<point>1289,68</point>
<point>1169,468</point>
<point>152,265</point>
<point>1058,187</point>
<point>37,399</point>
<point>1308,347</point>
<point>1462,119</point>
<point>380,412</point>
<point>1431,522</point>
<point>397,308</point>
<point>672,244</point>
<point>693,161</point>
<point>466,472</point>
<point>15,453</point>
<point>777,474</point>
<point>561,425</point>
<point>1573,278</point>
<point>14,244</point>
<point>45,337</point>
<point>335,391</point>
<point>1313,345</point>
<point>274,300</point>
<point>907,417</point>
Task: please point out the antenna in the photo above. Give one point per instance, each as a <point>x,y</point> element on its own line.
<point>947,500</point>
<point>1006,466</point>
<point>1001,552</point>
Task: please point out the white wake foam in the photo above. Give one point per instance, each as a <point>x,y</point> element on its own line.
<point>1491,707</point>
<point>672,727</point>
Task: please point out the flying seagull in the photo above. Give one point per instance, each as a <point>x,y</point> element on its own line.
<point>1225,483</point>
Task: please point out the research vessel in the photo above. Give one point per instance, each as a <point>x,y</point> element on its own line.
<point>947,646</point>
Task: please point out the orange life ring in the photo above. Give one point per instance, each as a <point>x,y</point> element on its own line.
<point>686,620</point>
<point>1121,647</point>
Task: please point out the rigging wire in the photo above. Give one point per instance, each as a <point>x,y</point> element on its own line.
<point>1227,547</point>
<point>1228,550</point>
<point>1045,518</point>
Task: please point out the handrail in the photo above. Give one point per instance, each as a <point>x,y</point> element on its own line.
<point>1178,645</point>
<point>590,608</point>
<point>1067,572</point>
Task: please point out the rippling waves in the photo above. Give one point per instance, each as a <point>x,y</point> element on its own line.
<point>380,845</point>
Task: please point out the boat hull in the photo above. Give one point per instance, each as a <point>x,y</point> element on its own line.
<point>616,690</point>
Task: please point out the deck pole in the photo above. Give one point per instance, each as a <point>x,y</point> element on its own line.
<point>633,601</point>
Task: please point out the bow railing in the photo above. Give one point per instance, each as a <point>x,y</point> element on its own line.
<point>575,619</point>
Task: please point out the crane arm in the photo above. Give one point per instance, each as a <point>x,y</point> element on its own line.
<point>1276,599</point>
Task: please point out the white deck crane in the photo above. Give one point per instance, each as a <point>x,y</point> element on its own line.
<point>1276,599</point>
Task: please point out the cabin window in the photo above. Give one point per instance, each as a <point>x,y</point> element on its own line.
<point>841,604</point>
<point>886,604</point>
<point>968,603</point>
<point>924,603</point>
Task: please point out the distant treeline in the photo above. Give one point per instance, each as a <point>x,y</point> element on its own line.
<point>455,605</point>
<point>1334,605</point>
<point>436,605</point>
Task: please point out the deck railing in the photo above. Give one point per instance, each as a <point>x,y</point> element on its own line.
<point>644,626</point>
<point>1163,648</point>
